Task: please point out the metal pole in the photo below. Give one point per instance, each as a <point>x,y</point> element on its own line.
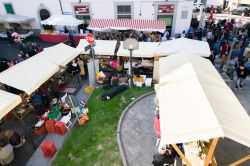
<point>93,56</point>
<point>61,6</point>
<point>130,69</point>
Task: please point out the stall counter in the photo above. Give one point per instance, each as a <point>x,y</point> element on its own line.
<point>58,38</point>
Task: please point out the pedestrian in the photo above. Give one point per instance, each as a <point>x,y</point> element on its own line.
<point>10,38</point>
<point>241,75</point>
<point>216,49</point>
<point>75,70</point>
<point>232,66</point>
<point>224,53</point>
<point>20,56</point>
<point>81,66</point>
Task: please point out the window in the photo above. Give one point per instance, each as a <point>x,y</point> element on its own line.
<point>9,9</point>
<point>184,14</point>
<point>124,12</point>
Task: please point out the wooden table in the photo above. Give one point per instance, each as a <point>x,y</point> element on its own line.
<point>19,116</point>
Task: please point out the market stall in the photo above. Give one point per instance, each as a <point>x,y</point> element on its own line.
<point>104,51</point>
<point>105,48</point>
<point>8,102</point>
<point>18,22</point>
<point>126,24</point>
<point>143,58</point>
<point>54,28</point>
<point>174,46</point>
<point>196,105</point>
<point>28,75</point>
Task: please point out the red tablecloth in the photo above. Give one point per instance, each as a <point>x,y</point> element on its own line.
<point>58,38</point>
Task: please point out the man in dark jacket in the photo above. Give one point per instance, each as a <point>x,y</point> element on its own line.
<point>75,70</point>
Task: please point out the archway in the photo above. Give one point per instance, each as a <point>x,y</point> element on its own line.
<point>44,14</point>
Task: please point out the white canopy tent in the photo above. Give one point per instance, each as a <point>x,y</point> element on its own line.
<point>62,20</point>
<point>59,54</point>
<point>29,74</point>
<point>8,101</point>
<point>13,18</point>
<point>196,104</point>
<point>186,45</point>
<point>102,47</point>
<point>146,50</point>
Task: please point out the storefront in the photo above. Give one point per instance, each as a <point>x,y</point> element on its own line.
<point>82,12</point>
<point>165,13</point>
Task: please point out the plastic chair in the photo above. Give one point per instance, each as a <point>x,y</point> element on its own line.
<point>148,81</point>
<point>66,120</point>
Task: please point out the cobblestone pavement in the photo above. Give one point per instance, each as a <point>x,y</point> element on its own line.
<point>138,139</point>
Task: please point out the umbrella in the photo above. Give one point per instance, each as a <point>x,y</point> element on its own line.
<point>12,18</point>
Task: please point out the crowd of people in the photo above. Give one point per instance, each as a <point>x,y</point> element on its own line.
<point>139,35</point>
<point>227,44</point>
<point>25,50</point>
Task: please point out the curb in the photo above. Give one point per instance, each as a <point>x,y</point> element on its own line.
<point>124,160</point>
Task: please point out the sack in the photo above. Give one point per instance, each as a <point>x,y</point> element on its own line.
<point>161,159</point>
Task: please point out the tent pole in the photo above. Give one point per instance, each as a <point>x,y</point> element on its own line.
<point>240,161</point>
<point>211,151</point>
<point>177,149</point>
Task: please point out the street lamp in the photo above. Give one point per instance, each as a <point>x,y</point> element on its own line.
<point>130,44</point>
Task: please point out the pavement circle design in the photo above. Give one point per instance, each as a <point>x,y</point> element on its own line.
<point>123,135</point>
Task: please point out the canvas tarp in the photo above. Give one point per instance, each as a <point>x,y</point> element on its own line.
<point>60,54</point>
<point>28,75</point>
<point>102,47</point>
<point>13,18</point>
<point>175,46</point>
<point>196,104</point>
<point>62,20</point>
<point>8,101</point>
<point>146,50</point>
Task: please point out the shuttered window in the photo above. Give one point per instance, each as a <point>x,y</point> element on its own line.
<point>9,9</point>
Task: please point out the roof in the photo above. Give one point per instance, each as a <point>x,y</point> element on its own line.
<point>125,24</point>
<point>13,18</point>
<point>146,50</point>
<point>102,47</point>
<point>8,102</point>
<point>186,45</point>
<point>60,54</point>
<point>62,20</point>
<point>196,104</point>
<point>28,75</point>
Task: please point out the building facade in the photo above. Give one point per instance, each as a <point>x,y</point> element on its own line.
<point>176,13</point>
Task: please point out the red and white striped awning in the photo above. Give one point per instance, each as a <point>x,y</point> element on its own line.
<point>124,24</point>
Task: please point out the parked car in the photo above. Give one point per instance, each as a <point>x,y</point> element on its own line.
<point>197,6</point>
<point>241,10</point>
<point>217,9</point>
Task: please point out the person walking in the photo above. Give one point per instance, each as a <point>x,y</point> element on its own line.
<point>75,70</point>
<point>81,66</point>
<point>241,75</point>
<point>10,38</point>
<point>224,53</point>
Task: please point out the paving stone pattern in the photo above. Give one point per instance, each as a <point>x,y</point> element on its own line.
<point>138,139</point>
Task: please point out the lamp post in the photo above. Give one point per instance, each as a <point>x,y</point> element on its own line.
<point>130,44</point>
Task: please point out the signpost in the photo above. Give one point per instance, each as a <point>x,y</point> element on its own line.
<point>91,40</point>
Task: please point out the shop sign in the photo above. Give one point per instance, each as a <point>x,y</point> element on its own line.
<point>163,9</point>
<point>81,9</point>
